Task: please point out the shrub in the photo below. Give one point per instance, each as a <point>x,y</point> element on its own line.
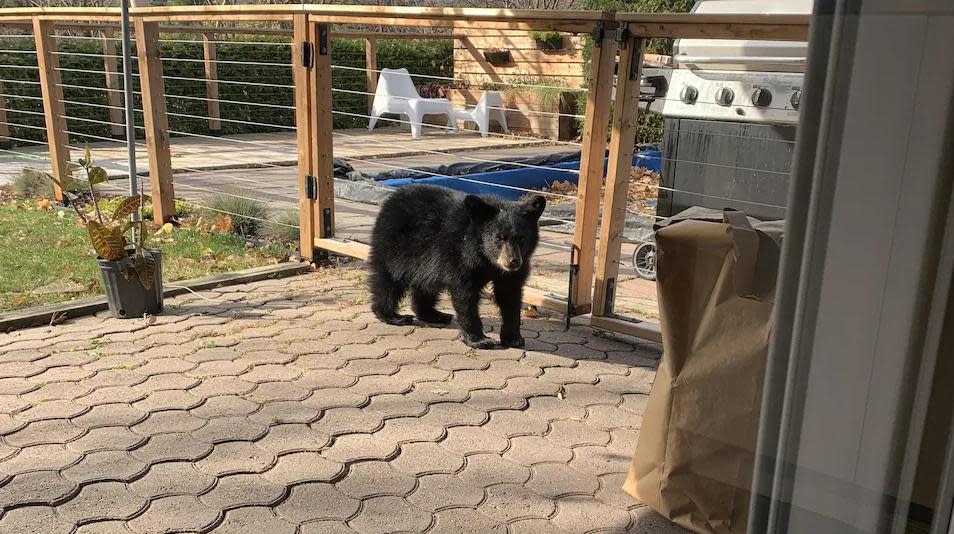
<point>247,214</point>
<point>283,227</point>
<point>32,184</point>
<point>549,90</point>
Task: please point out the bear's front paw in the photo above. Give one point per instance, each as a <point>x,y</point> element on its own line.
<point>480,343</point>
<point>515,341</point>
<point>398,320</point>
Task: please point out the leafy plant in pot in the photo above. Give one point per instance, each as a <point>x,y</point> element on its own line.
<point>547,40</point>
<point>132,273</point>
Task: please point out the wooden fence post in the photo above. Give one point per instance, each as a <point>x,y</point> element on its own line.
<point>5,141</point>
<point>211,84</point>
<point>323,144</point>
<point>618,174</point>
<point>592,155</point>
<point>53,109</point>
<point>371,64</point>
<point>303,39</point>
<point>114,96</point>
<point>155,120</point>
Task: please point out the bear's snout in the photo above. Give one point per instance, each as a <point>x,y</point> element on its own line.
<point>509,258</point>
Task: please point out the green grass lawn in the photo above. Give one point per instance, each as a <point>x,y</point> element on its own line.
<point>47,258</point>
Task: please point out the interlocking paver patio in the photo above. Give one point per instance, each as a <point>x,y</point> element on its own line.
<point>283,406</point>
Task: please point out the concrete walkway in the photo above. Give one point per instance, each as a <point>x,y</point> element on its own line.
<point>284,407</point>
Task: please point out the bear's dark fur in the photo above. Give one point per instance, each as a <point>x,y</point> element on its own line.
<point>429,239</point>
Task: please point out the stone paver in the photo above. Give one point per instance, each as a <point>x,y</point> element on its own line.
<point>284,407</point>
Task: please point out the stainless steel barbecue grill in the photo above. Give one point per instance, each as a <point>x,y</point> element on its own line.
<point>730,113</point>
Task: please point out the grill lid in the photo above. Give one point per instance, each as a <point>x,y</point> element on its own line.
<point>727,54</point>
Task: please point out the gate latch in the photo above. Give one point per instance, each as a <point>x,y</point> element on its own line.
<point>307,54</point>
<point>311,187</point>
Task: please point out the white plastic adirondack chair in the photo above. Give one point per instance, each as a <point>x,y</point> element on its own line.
<point>396,94</point>
<point>490,106</point>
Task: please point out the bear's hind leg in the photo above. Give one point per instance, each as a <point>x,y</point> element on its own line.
<point>386,295</point>
<point>422,302</point>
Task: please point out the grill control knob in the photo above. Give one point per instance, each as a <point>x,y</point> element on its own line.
<point>689,94</point>
<point>762,97</point>
<point>796,98</point>
<point>724,96</point>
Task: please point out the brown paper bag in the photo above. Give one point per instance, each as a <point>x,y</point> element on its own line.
<point>695,455</point>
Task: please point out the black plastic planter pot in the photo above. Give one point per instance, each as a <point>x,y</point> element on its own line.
<point>498,58</point>
<point>128,298</point>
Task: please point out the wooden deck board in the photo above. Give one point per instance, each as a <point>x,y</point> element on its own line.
<point>270,149</point>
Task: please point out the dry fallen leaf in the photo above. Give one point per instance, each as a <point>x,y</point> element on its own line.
<point>69,268</point>
<point>44,204</point>
<point>223,223</point>
<point>531,313</point>
<point>18,300</point>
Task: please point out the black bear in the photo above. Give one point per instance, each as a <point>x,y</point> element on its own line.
<point>428,239</point>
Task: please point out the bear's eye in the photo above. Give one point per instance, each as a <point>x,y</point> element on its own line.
<point>500,237</point>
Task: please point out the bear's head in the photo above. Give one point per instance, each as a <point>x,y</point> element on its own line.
<point>508,231</point>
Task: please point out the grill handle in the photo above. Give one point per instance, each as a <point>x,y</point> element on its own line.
<point>744,60</point>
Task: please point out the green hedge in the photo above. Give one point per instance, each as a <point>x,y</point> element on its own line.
<point>427,57</point>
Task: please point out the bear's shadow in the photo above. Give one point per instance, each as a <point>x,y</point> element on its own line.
<point>579,342</point>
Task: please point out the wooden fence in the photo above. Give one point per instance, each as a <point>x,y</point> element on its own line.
<point>617,38</point>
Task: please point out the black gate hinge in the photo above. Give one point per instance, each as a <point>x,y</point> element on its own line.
<point>311,187</point>
<point>322,39</point>
<point>598,33</point>
<point>308,54</point>
<point>571,286</point>
<point>326,223</point>
<point>610,297</point>
<point>622,36</point>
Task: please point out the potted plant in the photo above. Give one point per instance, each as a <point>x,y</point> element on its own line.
<point>547,40</point>
<point>498,57</point>
<point>132,273</point>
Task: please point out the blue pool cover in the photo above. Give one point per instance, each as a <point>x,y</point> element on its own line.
<point>511,184</point>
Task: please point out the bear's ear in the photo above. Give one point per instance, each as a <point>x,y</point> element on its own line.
<point>533,207</point>
<point>479,209</point>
